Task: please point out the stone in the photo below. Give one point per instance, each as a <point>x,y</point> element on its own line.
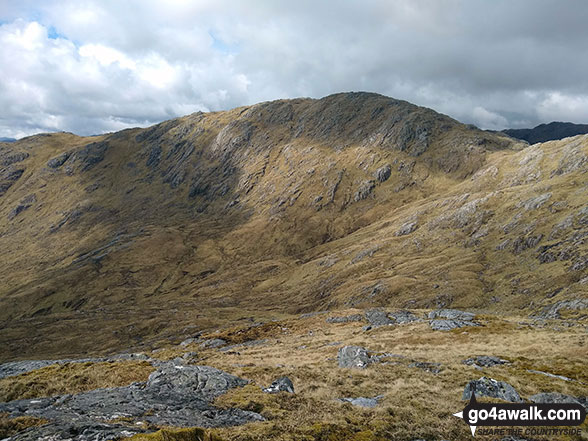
<point>554,397</point>
<point>447,325</point>
<point>58,161</point>
<point>535,203</point>
<point>23,205</point>
<point>364,190</point>
<point>363,401</point>
<point>488,387</point>
<point>353,357</point>
<point>377,317</point>
<point>383,173</point>
<point>174,395</point>
<point>282,384</point>
<point>406,228</point>
<point>345,319</point>
<point>402,317</point>
<point>484,361</point>
<point>213,343</point>
<point>451,314</point>
<point>14,158</point>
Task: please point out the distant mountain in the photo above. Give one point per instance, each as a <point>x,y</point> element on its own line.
<point>548,132</point>
<point>7,139</point>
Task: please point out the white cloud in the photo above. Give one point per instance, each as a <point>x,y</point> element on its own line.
<point>102,65</point>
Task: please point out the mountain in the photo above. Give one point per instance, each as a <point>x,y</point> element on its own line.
<point>548,132</point>
<point>7,139</point>
<point>126,240</point>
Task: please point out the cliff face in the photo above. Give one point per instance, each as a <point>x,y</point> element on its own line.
<point>278,208</point>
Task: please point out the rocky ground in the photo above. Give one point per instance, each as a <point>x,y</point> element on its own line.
<point>359,375</point>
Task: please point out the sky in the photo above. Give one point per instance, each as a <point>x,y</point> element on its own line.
<point>95,66</point>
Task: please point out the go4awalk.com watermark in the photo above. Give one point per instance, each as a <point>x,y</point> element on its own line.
<point>507,418</point>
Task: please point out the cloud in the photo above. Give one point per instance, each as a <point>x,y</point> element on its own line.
<point>97,66</point>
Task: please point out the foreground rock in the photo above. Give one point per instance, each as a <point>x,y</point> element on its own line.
<point>488,387</point>
<point>353,357</point>
<point>174,395</point>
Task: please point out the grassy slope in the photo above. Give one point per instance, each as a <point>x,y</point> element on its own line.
<point>253,243</point>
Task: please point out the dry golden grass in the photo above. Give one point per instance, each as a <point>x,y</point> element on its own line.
<point>72,378</point>
<point>10,426</point>
<point>415,404</point>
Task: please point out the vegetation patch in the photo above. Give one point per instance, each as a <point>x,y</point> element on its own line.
<point>72,378</point>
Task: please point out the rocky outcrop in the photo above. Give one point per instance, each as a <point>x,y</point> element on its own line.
<point>447,319</point>
<point>174,395</point>
<point>353,357</point>
<point>488,387</point>
<point>484,361</point>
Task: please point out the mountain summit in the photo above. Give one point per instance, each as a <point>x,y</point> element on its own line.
<point>284,207</point>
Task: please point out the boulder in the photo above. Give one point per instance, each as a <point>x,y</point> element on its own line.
<point>401,317</point>
<point>363,401</point>
<point>377,317</point>
<point>555,397</point>
<point>353,357</point>
<point>488,387</point>
<point>282,384</point>
<point>383,173</point>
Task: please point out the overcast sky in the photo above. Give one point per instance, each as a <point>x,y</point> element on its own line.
<point>103,65</point>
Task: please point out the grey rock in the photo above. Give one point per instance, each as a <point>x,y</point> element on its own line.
<point>555,397</point>
<point>433,368</point>
<point>345,319</point>
<point>552,311</point>
<point>154,156</point>
<point>174,395</point>
<point>484,361</point>
<point>58,161</point>
<point>353,357</point>
<point>524,243</point>
<point>406,228</point>
<point>282,384</point>
<point>363,401</point>
<point>401,317</point>
<point>8,176</point>
<point>25,204</point>
<point>448,324</point>
<point>383,173</point>
<point>368,252</point>
<point>14,158</point>
<point>364,190</point>
<point>548,374</point>
<point>213,343</point>
<point>536,202</point>
<point>452,314</point>
<point>377,317</point>
<point>488,387</point>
